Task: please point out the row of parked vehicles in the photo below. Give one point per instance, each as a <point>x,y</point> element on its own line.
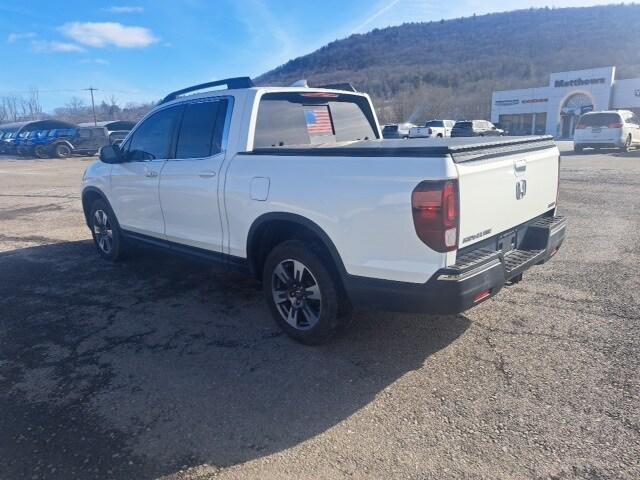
<point>443,129</point>
<point>28,139</point>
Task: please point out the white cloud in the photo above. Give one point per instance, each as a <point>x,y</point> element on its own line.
<point>16,37</point>
<point>55,47</point>
<point>97,61</point>
<point>103,34</point>
<point>125,9</point>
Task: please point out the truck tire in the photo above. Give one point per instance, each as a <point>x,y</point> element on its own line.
<point>62,150</point>
<point>41,151</point>
<point>105,231</point>
<point>301,292</point>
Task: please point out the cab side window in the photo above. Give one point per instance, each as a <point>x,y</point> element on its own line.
<point>201,129</point>
<point>153,138</point>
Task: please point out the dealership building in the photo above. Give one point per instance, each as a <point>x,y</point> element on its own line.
<point>555,109</point>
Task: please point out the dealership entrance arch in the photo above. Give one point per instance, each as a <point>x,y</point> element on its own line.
<point>573,107</point>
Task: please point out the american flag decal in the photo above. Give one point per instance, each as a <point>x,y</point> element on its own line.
<point>318,121</point>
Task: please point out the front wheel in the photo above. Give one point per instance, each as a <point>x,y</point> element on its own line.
<point>62,150</point>
<point>627,144</point>
<point>301,292</point>
<point>105,231</point>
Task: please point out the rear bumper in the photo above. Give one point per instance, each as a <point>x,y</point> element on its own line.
<point>608,143</point>
<point>476,276</point>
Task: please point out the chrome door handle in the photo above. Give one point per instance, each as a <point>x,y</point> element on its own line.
<point>150,173</point>
<point>207,174</point>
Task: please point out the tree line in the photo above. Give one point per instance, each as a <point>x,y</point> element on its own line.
<point>26,107</point>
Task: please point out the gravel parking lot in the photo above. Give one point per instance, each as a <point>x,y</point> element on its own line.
<point>162,367</point>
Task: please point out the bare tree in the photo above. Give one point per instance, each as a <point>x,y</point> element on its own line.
<point>32,105</point>
<point>11,107</point>
<point>75,105</point>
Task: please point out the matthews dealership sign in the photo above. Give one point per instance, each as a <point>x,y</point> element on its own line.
<point>579,82</point>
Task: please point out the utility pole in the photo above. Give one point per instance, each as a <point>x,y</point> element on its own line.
<point>93,105</point>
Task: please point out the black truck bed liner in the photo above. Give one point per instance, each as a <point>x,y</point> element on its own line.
<point>461,149</point>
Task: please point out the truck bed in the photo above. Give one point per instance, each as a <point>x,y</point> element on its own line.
<point>460,149</point>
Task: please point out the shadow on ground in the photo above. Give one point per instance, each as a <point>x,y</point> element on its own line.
<point>138,369</point>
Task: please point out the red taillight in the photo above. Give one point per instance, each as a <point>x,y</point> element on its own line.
<point>482,296</point>
<point>436,213</point>
<point>429,131</point>
<point>616,125</point>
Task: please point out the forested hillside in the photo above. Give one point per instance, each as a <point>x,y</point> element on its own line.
<point>449,68</point>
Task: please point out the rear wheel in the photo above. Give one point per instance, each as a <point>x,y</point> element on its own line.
<point>41,151</point>
<point>105,231</point>
<point>301,292</point>
<point>627,144</point>
<point>62,150</point>
<point>578,148</point>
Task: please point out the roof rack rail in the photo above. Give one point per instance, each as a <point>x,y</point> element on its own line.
<point>338,86</point>
<point>231,83</point>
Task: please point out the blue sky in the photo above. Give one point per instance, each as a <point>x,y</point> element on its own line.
<point>137,51</point>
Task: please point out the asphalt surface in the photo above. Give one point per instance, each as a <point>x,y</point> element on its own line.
<point>160,367</point>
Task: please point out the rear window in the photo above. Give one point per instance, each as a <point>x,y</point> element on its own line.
<point>312,118</point>
<point>434,123</point>
<point>600,119</point>
<point>463,125</point>
<point>390,128</point>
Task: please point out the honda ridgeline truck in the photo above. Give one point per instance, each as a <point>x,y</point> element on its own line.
<point>297,187</point>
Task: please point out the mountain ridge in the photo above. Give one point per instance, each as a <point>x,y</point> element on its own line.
<point>449,68</point>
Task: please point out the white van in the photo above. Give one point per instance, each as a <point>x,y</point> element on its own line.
<point>608,129</point>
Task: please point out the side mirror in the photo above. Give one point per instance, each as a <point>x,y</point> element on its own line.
<point>111,154</point>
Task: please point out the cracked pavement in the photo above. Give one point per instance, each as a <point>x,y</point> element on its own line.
<point>160,367</point>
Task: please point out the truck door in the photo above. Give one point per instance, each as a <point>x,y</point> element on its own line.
<point>189,182</point>
<point>98,139</point>
<point>134,182</point>
<point>82,139</point>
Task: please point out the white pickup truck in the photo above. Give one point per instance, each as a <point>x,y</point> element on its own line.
<point>297,187</point>
<point>433,129</point>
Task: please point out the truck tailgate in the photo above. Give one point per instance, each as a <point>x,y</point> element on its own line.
<point>500,189</point>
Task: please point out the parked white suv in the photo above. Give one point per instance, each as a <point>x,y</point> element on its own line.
<point>607,129</point>
<point>433,128</point>
<point>297,187</point>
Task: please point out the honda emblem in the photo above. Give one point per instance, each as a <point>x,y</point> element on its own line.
<point>521,189</point>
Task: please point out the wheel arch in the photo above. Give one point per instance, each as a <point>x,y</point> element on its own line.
<point>270,229</point>
<point>90,195</point>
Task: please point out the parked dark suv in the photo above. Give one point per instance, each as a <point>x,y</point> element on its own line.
<point>475,128</point>
<point>82,141</point>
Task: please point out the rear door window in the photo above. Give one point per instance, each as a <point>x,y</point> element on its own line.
<point>288,119</point>
<point>200,133</point>
<point>434,123</point>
